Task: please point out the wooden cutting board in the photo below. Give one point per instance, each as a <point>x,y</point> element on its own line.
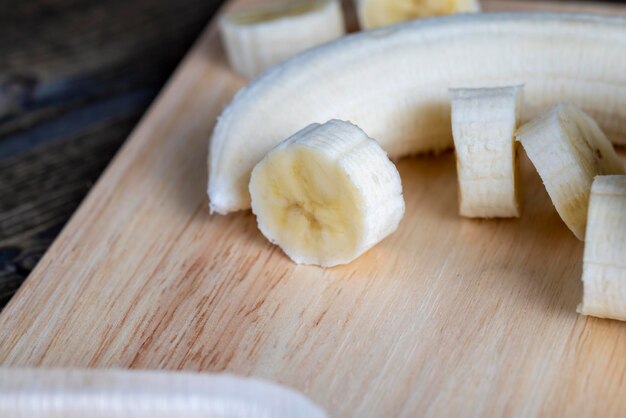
<point>447,317</point>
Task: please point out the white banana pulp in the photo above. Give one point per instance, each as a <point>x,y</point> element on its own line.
<point>311,203</point>
<point>568,149</point>
<point>270,12</point>
<point>484,121</point>
<point>604,261</point>
<point>119,393</point>
<point>394,83</point>
<point>327,194</point>
<point>377,13</point>
<point>259,37</point>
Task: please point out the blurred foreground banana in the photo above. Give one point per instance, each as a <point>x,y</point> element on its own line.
<point>116,393</point>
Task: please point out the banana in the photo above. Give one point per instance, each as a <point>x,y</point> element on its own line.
<point>484,121</point>
<point>327,194</point>
<point>393,82</point>
<point>604,262</point>
<point>377,13</point>
<point>262,36</point>
<point>118,393</point>
<point>568,149</point>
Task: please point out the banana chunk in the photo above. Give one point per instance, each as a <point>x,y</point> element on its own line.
<point>259,37</point>
<point>484,121</point>
<point>327,194</point>
<point>604,262</point>
<point>377,13</point>
<point>568,149</point>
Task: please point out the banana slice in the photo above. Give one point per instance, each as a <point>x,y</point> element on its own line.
<point>568,149</point>
<point>604,262</point>
<point>327,194</point>
<point>484,121</point>
<point>393,82</point>
<point>257,38</point>
<point>377,13</point>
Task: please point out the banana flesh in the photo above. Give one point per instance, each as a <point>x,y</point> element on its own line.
<point>568,149</point>
<point>377,13</point>
<point>604,262</point>
<point>118,393</point>
<point>327,194</point>
<point>260,37</point>
<point>484,121</point>
<point>393,82</point>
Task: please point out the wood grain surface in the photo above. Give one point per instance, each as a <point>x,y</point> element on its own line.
<point>75,78</point>
<point>447,317</point>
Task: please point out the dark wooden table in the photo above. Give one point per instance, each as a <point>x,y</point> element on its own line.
<point>75,77</point>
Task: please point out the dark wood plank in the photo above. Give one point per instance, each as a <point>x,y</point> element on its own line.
<point>75,77</point>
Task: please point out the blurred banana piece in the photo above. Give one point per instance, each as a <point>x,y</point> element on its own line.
<point>118,393</point>
<point>604,262</point>
<point>259,37</point>
<point>568,149</point>
<point>377,13</point>
<point>484,121</point>
<point>327,194</point>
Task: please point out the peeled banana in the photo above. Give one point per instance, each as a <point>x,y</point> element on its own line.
<point>376,13</point>
<point>327,194</point>
<point>262,36</point>
<point>484,121</point>
<point>568,149</point>
<point>117,393</point>
<point>393,82</point>
<point>604,262</point>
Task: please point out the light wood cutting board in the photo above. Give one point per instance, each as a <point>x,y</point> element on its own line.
<point>447,317</point>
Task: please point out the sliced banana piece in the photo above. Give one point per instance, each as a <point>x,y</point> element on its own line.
<point>377,13</point>
<point>259,37</point>
<point>327,194</point>
<point>484,121</point>
<point>393,82</point>
<point>604,262</point>
<point>568,149</point>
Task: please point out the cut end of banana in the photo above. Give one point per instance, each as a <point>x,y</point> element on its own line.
<point>484,121</point>
<point>568,149</point>
<point>604,262</point>
<point>259,37</point>
<point>378,13</point>
<point>327,194</point>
